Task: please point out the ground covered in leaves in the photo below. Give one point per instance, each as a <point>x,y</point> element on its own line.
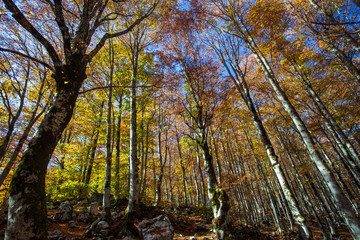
<point>188,223</point>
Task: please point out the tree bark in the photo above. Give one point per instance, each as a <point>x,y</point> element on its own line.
<point>218,197</point>
<point>117,148</point>
<point>107,182</point>
<point>134,162</point>
<point>27,205</point>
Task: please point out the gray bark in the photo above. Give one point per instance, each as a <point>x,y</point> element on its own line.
<point>107,182</point>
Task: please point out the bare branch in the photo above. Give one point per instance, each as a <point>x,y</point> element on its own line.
<point>334,23</point>
<point>21,19</point>
<point>27,56</point>
<point>63,28</point>
<point>117,34</point>
<point>117,86</point>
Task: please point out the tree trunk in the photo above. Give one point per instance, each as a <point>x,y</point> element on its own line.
<point>218,197</point>
<point>238,78</point>
<point>117,148</point>
<point>161,173</point>
<point>94,146</point>
<point>342,203</point>
<point>107,182</point>
<point>134,162</point>
<point>182,170</point>
<point>27,205</point>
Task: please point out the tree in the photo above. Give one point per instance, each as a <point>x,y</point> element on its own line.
<point>27,206</point>
<point>228,50</point>
<point>199,75</point>
<point>244,30</point>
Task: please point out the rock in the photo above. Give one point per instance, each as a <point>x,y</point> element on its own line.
<point>64,213</point>
<point>56,235</point>
<point>103,225</point>
<point>129,238</point>
<point>105,232</point>
<point>93,211</point>
<point>72,224</point>
<point>114,216</point>
<point>83,216</point>
<point>158,228</point>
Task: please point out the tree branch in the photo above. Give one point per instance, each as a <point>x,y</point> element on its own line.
<point>117,86</point>
<point>335,23</point>
<point>21,19</point>
<point>117,34</point>
<point>27,56</point>
<point>59,18</point>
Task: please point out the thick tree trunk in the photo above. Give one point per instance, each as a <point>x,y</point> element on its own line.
<point>27,205</point>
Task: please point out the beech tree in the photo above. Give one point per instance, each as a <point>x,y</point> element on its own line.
<point>243,29</point>
<point>82,37</point>
<point>228,50</point>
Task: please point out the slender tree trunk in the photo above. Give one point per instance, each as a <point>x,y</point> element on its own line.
<point>161,173</point>
<point>94,146</point>
<point>202,182</point>
<point>238,77</point>
<point>182,170</point>
<point>34,117</point>
<point>118,152</point>
<point>342,203</point>
<point>266,183</point>
<point>107,182</point>
<point>134,162</point>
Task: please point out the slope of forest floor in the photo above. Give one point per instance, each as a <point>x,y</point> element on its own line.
<point>188,223</point>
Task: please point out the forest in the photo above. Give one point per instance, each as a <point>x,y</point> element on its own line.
<point>245,113</point>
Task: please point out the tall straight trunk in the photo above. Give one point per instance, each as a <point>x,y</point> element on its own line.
<point>94,146</point>
<point>107,182</point>
<point>168,157</point>
<point>161,173</point>
<point>118,151</point>
<point>340,137</point>
<point>202,182</point>
<point>343,205</point>
<point>239,79</point>
<point>142,184</point>
<point>266,183</point>
<point>134,162</point>
<point>197,199</point>
<point>182,170</point>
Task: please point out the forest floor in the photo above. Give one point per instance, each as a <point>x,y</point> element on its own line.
<point>188,224</point>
